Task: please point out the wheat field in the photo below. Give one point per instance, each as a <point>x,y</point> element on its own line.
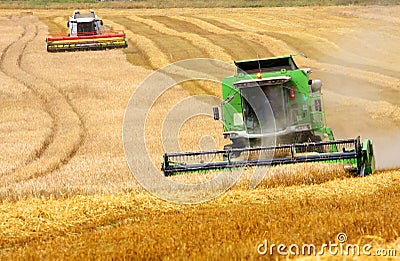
<point>66,189</point>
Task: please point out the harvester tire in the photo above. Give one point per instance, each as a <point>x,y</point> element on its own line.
<point>362,170</point>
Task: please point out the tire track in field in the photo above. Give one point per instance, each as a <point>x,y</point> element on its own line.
<point>49,139</point>
<point>8,68</point>
<point>68,128</point>
<point>3,61</point>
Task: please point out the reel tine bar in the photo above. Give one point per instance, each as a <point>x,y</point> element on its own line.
<point>328,151</point>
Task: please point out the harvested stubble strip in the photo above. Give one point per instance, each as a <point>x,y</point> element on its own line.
<point>202,43</point>
<point>155,56</point>
<point>202,24</point>
<point>274,45</point>
<point>255,33</point>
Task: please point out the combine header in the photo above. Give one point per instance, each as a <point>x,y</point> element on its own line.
<point>85,33</point>
<point>268,102</point>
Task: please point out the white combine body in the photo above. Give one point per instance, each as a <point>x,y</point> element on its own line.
<point>84,24</point>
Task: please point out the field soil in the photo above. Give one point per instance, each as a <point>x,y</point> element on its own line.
<point>66,189</point>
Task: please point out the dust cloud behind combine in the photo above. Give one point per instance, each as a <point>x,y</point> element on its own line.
<point>358,104</point>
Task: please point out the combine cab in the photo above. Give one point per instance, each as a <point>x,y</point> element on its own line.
<point>273,114</point>
<point>85,33</point>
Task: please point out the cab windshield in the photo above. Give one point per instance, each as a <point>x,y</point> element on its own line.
<point>264,108</point>
<point>86,28</point>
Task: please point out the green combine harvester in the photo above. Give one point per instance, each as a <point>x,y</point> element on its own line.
<point>273,114</point>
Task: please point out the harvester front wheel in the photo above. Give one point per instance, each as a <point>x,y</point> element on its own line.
<point>362,170</point>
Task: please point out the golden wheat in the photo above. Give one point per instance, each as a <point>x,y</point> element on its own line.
<point>73,222</point>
